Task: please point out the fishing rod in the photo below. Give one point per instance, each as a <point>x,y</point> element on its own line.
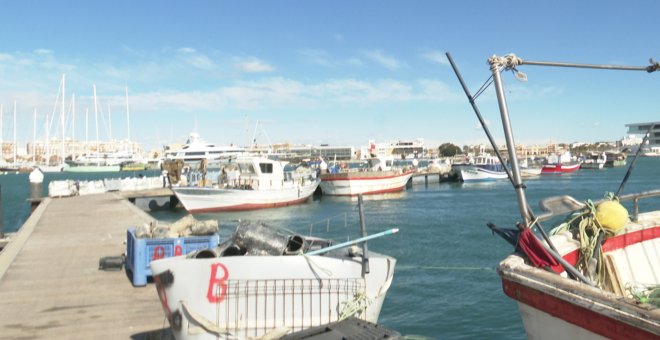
<point>634,160</point>
<point>356,241</point>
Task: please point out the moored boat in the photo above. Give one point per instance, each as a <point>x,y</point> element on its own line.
<point>598,275</point>
<point>244,183</point>
<point>594,161</point>
<point>265,282</point>
<point>484,168</point>
<point>378,178</point>
<point>559,168</point>
<point>615,159</point>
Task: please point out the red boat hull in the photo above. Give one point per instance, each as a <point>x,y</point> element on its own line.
<point>559,168</point>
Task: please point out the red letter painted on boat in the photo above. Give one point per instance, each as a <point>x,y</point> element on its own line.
<point>220,282</point>
<point>177,250</point>
<point>159,253</point>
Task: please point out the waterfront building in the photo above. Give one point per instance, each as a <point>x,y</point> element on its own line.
<point>398,149</point>
<point>653,145</point>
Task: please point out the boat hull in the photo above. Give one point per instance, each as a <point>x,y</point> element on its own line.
<point>250,296</point>
<point>555,307</point>
<point>475,174</point>
<point>366,183</point>
<point>203,199</point>
<point>592,166</point>
<point>559,168</point>
<point>92,168</point>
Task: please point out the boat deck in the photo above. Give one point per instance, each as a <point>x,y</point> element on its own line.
<point>50,283</point>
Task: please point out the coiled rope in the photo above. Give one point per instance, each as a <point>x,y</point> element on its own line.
<point>585,227</point>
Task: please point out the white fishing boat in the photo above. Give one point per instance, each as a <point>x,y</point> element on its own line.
<point>265,283</point>
<point>484,168</point>
<point>378,178</point>
<point>245,183</point>
<point>594,161</point>
<point>598,275</point>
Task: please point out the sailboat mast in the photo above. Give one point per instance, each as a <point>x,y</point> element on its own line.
<point>15,146</point>
<point>73,126</point>
<point>86,126</point>
<point>62,117</point>
<point>2,142</point>
<point>34,136</point>
<point>96,116</point>
<point>128,120</point>
<point>47,140</point>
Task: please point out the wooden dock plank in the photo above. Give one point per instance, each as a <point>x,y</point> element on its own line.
<point>52,287</point>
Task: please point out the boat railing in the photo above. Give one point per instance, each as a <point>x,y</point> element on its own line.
<point>561,205</point>
<point>296,304</point>
<point>635,200</point>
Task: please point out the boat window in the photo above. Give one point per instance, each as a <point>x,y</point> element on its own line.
<point>195,153</point>
<point>266,168</point>
<point>246,168</point>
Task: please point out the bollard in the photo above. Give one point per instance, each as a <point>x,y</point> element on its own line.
<point>36,190</point>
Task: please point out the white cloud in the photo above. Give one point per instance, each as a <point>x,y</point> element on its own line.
<point>436,57</point>
<point>191,57</point>
<point>380,58</point>
<point>253,65</point>
<point>43,51</point>
<point>317,57</point>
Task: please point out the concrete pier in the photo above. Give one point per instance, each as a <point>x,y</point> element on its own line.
<point>50,283</point>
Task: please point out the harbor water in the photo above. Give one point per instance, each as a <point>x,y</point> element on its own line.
<point>445,283</point>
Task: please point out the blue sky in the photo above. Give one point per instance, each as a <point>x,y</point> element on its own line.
<point>337,72</point>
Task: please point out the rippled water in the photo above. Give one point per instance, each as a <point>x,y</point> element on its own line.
<point>445,284</point>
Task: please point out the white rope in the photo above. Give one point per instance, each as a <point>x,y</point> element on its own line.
<point>357,306</point>
<point>508,62</point>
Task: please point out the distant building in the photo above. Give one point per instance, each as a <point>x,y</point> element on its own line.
<point>399,149</point>
<point>641,129</point>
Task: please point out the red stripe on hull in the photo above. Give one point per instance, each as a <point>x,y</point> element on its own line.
<point>244,207</point>
<point>559,169</point>
<point>574,314</point>
<point>614,243</point>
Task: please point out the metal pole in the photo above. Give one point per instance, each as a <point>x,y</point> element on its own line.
<point>651,68</point>
<point>481,120</point>
<point>363,229</point>
<point>350,243</point>
<point>511,146</point>
<point>634,160</point>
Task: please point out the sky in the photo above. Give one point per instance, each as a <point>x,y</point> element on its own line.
<point>322,72</point>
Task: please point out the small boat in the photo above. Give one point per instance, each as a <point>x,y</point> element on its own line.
<point>484,168</point>
<point>101,162</point>
<point>597,274</point>
<point>379,177</point>
<point>530,172</point>
<point>244,183</point>
<point>594,161</point>
<point>615,159</point>
<point>559,168</point>
<point>266,282</point>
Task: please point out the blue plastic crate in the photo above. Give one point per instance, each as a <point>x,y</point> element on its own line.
<point>141,251</point>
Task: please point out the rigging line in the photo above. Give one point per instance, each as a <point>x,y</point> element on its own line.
<point>496,150</point>
<point>483,87</point>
